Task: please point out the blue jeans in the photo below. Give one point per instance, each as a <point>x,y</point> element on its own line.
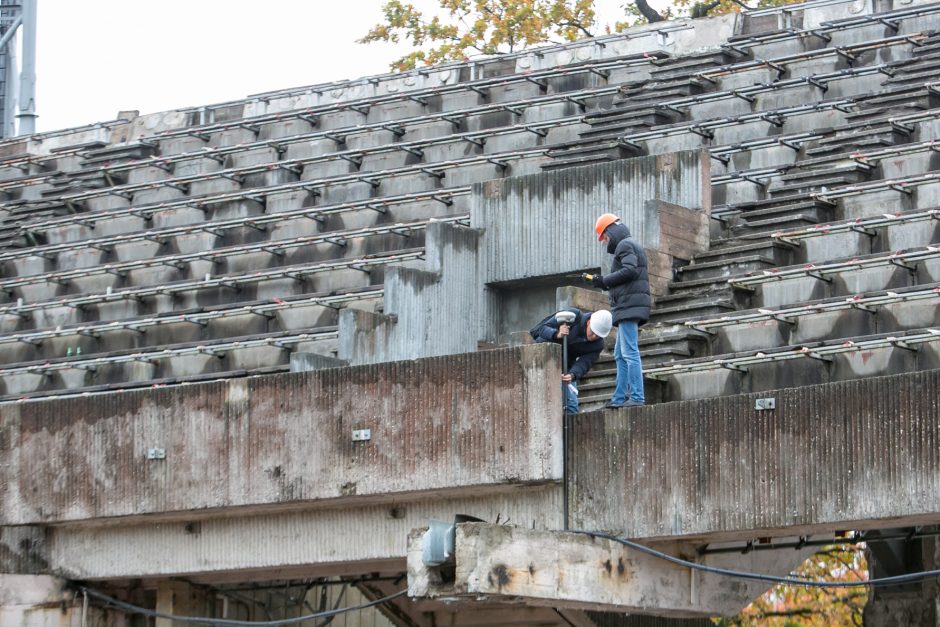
<point>629,367</point>
<point>570,398</point>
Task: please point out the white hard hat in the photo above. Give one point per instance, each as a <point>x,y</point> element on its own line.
<point>601,321</point>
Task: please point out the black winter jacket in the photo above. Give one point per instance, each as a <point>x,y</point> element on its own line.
<point>582,353</point>
<point>628,281</point>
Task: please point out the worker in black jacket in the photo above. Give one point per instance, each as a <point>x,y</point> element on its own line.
<point>628,287</point>
<point>585,342</point>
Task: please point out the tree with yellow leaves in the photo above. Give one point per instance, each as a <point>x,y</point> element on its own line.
<point>489,27</point>
<point>800,606</point>
<point>476,27</point>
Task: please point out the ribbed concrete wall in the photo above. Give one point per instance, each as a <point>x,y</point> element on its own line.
<point>435,424</point>
<point>440,310</point>
<point>836,456</point>
<point>450,306</point>
<point>565,203</point>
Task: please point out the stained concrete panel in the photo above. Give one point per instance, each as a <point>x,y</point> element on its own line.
<point>484,420</point>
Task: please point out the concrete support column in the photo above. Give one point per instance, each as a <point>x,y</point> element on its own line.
<point>916,604</point>
<point>180,599</point>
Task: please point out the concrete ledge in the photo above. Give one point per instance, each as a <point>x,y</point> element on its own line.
<point>850,455</point>
<point>577,571</point>
<point>480,421</point>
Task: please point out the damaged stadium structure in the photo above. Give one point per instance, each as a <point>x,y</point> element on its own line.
<point>249,350</point>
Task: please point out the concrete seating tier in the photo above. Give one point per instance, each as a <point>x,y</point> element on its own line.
<point>644,109</point>
<point>214,187</point>
<point>263,253</point>
<point>203,317</point>
<point>233,289</point>
<point>217,152</point>
<point>886,232</point>
<point>127,386</point>
<point>540,82</point>
<point>658,139</point>
<point>220,246</point>
<point>820,362</point>
<point>257,351</point>
<point>62,230</point>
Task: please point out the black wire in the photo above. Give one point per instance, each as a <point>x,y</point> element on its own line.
<point>225,622</point>
<point>793,581</point>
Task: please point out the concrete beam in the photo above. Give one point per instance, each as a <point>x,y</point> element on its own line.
<point>346,540</point>
<point>579,572</point>
<point>470,424</point>
<point>850,455</point>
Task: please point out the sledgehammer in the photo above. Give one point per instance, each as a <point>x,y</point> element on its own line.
<point>565,317</point>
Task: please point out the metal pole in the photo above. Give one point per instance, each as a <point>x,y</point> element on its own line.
<point>564,431</point>
<point>27,114</point>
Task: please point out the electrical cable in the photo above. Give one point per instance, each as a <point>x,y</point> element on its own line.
<point>225,622</point>
<point>793,581</point>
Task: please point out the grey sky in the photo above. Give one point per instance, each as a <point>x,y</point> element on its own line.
<point>96,57</point>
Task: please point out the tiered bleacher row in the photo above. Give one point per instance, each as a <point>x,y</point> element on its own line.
<point>218,246</point>
<point>825,249</point>
<point>216,249</point>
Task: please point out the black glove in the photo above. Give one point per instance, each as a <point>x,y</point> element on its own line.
<point>598,281</point>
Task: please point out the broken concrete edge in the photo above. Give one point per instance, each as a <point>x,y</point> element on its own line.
<point>583,572</point>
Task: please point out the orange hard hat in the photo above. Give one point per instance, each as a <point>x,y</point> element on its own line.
<point>602,223</point>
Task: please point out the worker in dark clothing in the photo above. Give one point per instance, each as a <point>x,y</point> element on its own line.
<point>628,288</point>
<point>585,341</point>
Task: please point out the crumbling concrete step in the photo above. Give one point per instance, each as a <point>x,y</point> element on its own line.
<point>786,216</point>
<point>883,139</point>
<point>888,97</point>
<point>668,342</point>
<point>704,307</point>
<point>925,73</point>
<point>814,183</point>
<point>772,225</point>
<point>561,164</point>
<point>118,153</point>
<point>767,248</point>
<point>630,121</point>
<point>649,93</point>
<point>689,66</point>
<point>726,267</point>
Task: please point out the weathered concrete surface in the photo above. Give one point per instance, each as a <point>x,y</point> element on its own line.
<point>42,601</point>
<point>565,204</point>
<point>850,455</point>
<point>576,571</point>
<point>474,422</point>
<point>347,539</point>
<point>23,550</point>
<point>489,277</point>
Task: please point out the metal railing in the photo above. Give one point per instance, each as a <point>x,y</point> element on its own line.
<point>792,313</point>
<point>821,351</point>
<point>865,226</point>
<point>826,271</point>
